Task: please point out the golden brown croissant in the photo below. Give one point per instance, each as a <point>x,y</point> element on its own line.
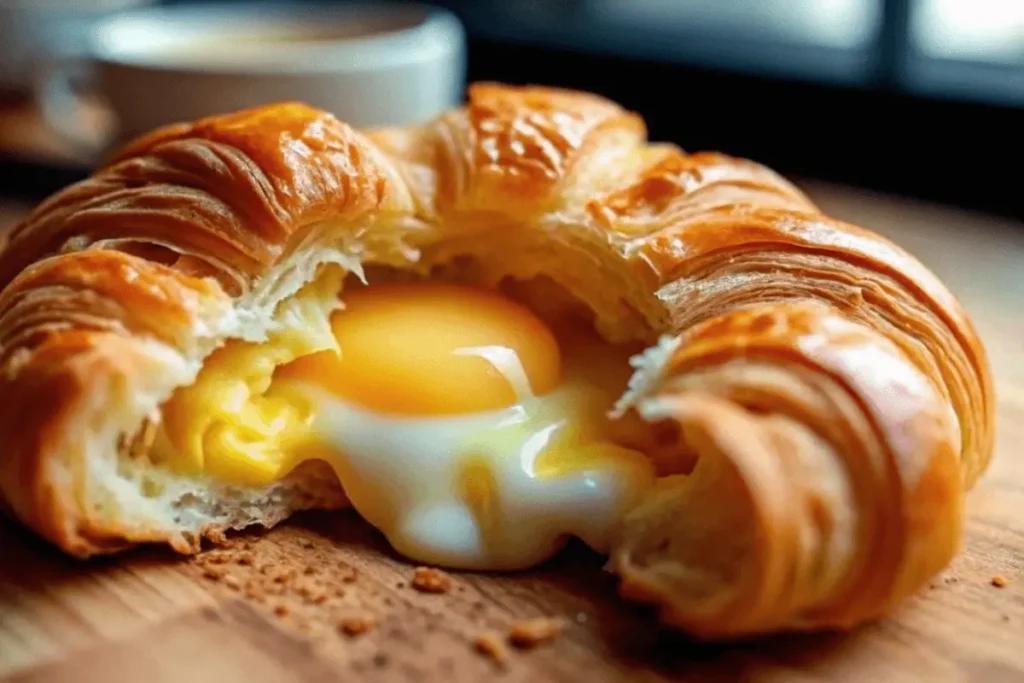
<point>816,401</point>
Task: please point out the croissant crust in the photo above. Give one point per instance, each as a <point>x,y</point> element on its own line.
<point>819,401</point>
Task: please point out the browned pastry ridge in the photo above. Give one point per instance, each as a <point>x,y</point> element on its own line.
<point>819,402</point>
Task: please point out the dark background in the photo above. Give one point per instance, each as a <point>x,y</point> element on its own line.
<point>880,115</point>
<point>873,97</point>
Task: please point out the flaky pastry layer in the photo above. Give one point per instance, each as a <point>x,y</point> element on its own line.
<point>819,401</point>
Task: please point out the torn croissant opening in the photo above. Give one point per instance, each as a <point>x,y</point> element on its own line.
<point>475,426</point>
<point>794,512</point>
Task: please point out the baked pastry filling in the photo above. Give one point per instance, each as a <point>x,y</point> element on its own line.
<point>469,431</point>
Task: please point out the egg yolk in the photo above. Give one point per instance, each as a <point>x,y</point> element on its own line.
<point>432,349</point>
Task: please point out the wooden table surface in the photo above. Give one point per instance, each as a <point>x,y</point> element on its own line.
<point>154,617</point>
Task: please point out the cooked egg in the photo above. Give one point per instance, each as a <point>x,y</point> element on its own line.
<point>459,423</point>
<point>433,349</point>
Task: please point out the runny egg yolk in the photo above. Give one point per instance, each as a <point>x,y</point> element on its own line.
<point>423,350</point>
<point>458,423</point>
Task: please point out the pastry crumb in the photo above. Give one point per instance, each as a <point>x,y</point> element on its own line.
<point>430,580</point>
<point>214,573</point>
<point>283,575</point>
<point>304,589</point>
<point>356,625</point>
<point>312,593</point>
<point>1000,581</point>
<point>533,632</point>
<point>217,537</point>
<point>489,645</point>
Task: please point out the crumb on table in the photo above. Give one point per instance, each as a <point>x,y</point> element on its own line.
<point>430,580</point>
<point>1000,581</point>
<point>214,573</point>
<point>489,645</point>
<point>532,632</point>
<point>312,592</point>
<point>356,625</point>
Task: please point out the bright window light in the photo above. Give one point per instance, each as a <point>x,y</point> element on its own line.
<point>986,30</point>
<point>829,23</point>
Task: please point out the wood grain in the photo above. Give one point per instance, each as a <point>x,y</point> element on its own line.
<point>153,616</point>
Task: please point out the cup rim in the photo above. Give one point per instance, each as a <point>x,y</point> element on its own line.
<point>432,33</point>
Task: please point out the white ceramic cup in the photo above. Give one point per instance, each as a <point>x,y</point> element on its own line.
<point>370,64</point>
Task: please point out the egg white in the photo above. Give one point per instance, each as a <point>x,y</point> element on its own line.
<point>403,475</point>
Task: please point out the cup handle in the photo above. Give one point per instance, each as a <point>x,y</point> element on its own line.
<point>59,92</point>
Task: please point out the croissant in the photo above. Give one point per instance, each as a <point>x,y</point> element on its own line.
<point>814,402</point>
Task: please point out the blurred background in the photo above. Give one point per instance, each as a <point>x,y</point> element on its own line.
<point>919,97</point>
